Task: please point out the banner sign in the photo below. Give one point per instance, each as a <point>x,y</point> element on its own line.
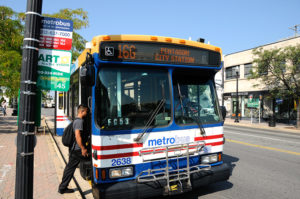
<point>57,24</point>
<point>253,103</point>
<point>55,55</point>
<point>54,69</point>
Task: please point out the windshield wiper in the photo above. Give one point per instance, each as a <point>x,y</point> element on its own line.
<point>197,120</point>
<point>150,120</point>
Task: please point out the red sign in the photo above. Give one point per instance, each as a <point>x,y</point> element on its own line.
<point>55,43</point>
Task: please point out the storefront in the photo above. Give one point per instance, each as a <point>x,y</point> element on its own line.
<point>253,104</point>
<point>249,103</point>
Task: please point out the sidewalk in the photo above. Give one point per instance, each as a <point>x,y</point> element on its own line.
<point>84,185</point>
<point>262,125</point>
<point>47,166</point>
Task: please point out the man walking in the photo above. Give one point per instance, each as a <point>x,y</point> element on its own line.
<point>4,106</point>
<point>76,152</point>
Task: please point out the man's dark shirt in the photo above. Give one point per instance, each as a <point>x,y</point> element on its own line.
<point>78,125</point>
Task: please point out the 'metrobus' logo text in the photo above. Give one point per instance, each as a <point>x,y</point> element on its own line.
<point>168,141</point>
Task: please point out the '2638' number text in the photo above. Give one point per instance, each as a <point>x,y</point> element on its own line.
<point>120,161</point>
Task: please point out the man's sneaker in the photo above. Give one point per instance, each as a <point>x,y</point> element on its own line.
<point>62,191</point>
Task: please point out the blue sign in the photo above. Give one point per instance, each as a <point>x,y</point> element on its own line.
<point>57,24</point>
<point>279,101</point>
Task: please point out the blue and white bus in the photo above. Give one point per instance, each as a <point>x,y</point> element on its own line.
<point>155,125</point>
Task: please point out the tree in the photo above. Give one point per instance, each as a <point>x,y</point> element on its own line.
<point>11,41</point>
<point>279,70</point>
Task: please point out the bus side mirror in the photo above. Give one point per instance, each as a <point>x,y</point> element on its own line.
<point>87,71</point>
<point>87,75</point>
<point>223,111</point>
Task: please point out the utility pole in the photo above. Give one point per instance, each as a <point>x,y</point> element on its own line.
<point>26,138</point>
<point>295,29</point>
<point>237,95</point>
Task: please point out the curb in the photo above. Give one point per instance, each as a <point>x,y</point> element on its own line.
<point>281,129</point>
<point>61,158</point>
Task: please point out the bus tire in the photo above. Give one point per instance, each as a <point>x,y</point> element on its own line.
<point>95,192</point>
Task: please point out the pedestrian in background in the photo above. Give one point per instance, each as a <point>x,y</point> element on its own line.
<point>77,152</point>
<point>4,105</point>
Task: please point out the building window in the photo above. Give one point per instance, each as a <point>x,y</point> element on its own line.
<point>230,72</point>
<point>263,70</point>
<point>283,66</point>
<point>247,70</point>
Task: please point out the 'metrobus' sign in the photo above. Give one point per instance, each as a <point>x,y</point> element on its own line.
<point>55,54</point>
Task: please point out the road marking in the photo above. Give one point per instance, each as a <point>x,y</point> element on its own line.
<point>263,147</point>
<point>263,137</point>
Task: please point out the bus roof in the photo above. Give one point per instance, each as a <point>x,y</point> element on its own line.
<point>146,38</point>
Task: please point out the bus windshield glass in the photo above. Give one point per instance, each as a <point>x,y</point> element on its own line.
<point>195,100</point>
<point>127,97</point>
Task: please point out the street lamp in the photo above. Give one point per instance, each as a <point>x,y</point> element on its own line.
<point>237,95</point>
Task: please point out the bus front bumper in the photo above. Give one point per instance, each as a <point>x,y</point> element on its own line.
<point>132,189</point>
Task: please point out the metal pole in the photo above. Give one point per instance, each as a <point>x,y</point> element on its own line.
<point>223,73</point>
<point>55,113</point>
<point>26,137</point>
<point>259,112</point>
<point>237,98</point>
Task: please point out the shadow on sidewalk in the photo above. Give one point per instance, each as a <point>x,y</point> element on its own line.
<point>8,125</point>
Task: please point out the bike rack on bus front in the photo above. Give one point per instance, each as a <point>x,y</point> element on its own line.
<point>178,151</point>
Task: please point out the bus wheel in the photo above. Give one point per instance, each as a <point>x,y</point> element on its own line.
<point>95,191</point>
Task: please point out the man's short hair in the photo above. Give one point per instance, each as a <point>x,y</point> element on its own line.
<point>82,107</point>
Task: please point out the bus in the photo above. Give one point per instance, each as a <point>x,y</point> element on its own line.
<point>49,102</point>
<point>155,127</point>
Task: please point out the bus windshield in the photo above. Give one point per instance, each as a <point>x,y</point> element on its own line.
<point>127,97</point>
<point>194,99</point>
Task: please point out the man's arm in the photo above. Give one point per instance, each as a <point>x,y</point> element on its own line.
<point>79,142</point>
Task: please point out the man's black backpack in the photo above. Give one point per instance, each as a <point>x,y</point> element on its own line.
<point>68,136</point>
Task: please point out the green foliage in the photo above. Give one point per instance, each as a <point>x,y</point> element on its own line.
<point>11,41</point>
<point>10,31</point>
<point>279,70</point>
<point>80,20</point>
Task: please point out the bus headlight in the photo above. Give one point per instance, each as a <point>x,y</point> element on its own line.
<point>209,158</point>
<point>121,172</point>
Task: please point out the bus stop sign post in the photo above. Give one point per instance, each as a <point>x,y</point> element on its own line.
<point>26,136</point>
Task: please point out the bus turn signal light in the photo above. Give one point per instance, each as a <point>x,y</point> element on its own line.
<point>106,38</point>
<point>96,174</point>
<point>168,39</point>
<point>103,174</point>
<point>217,49</point>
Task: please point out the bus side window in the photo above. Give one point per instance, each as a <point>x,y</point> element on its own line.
<point>60,100</point>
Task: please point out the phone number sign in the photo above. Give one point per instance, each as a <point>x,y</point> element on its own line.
<point>54,69</point>
<point>55,54</point>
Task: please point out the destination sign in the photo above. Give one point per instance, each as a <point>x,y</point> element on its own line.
<point>148,52</point>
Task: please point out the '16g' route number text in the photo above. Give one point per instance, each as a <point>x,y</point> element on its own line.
<point>127,52</point>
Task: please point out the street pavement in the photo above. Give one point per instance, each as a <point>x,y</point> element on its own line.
<point>265,163</point>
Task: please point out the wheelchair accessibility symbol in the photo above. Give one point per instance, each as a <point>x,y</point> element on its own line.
<point>109,51</point>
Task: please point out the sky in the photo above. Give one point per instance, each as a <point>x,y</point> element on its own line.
<point>233,25</point>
